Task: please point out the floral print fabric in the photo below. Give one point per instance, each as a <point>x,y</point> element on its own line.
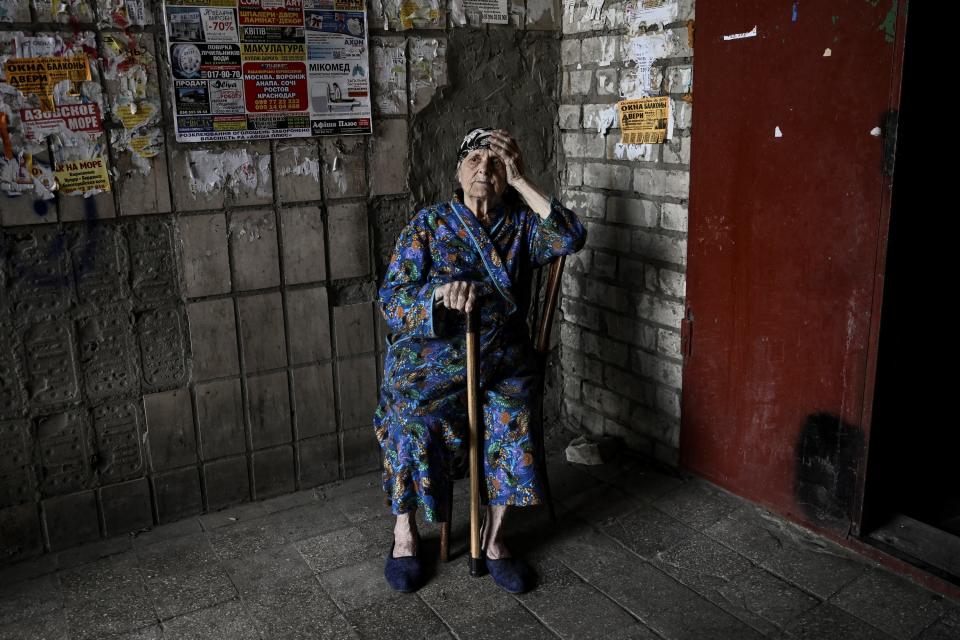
<point>421,419</point>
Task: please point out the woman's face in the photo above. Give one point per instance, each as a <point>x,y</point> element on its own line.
<point>483,175</point>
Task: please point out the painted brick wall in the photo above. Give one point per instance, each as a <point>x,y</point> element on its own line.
<point>206,334</point>
<point>623,295</point>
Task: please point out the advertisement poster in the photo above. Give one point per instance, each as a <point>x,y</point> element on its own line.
<point>40,75</point>
<point>76,177</point>
<point>77,118</point>
<point>51,122</point>
<point>255,69</point>
<point>644,120</point>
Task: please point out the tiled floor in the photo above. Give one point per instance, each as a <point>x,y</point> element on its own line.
<point>636,552</point>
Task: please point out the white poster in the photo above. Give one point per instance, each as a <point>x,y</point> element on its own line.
<point>491,11</point>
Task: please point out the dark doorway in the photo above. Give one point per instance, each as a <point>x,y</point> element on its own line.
<point>912,495</point>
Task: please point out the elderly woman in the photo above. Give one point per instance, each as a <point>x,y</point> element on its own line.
<point>477,250</point>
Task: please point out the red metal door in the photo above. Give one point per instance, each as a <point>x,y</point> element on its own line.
<point>789,203</point>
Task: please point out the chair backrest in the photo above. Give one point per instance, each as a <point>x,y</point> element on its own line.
<point>542,321</point>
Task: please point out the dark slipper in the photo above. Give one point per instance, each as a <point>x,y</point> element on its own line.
<point>510,574</point>
<point>403,574</point>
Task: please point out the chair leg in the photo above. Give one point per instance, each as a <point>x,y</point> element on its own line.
<point>444,542</point>
<point>546,492</point>
<point>445,525</point>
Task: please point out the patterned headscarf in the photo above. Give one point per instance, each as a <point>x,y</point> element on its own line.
<point>476,139</point>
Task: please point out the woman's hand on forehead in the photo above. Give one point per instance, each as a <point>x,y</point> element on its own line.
<point>503,144</point>
<point>501,140</point>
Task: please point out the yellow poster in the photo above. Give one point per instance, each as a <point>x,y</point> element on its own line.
<point>80,176</point>
<point>134,115</point>
<point>144,146</point>
<point>414,11</point>
<point>40,75</point>
<point>643,120</point>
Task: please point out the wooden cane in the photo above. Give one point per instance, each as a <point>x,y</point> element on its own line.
<point>473,414</point>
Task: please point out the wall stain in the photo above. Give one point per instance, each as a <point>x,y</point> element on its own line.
<point>56,249</point>
<point>828,453</point>
<point>501,79</point>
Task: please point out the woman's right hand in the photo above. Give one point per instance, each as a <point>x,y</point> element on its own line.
<point>460,295</point>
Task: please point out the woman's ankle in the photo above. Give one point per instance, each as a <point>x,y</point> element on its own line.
<point>405,535</point>
<point>492,533</point>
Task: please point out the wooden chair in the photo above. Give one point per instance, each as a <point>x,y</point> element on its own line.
<point>543,306</point>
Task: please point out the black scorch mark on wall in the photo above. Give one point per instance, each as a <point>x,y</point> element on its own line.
<point>828,453</point>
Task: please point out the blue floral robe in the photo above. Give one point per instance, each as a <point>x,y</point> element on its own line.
<point>421,420</point>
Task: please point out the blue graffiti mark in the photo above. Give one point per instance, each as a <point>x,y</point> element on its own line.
<point>40,207</point>
<point>58,247</point>
<point>87,254</point>
<point>889,24</point>
<point>796,11</point>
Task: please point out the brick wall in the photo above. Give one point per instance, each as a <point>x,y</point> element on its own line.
<point>623,294</point>
<point>205,333</point>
